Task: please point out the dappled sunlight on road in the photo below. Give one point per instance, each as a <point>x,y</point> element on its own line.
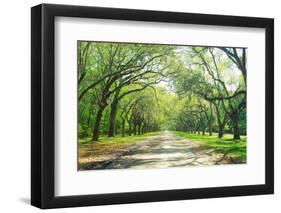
<point>166,150</point>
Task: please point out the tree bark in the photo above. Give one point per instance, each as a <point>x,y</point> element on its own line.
<point>235,123</point>
<point>135,129</point>
<point>113,112</point>
<point>210,128</point>
<point>211,121</point>
<point>130,129</point>
<point>221,131</point>
<point>139,129</point>
<point>221,122</point>
<point>123,128</point>
<point>97,123</point>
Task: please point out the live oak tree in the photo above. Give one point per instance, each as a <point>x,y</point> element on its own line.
<point>209,75</point>
<point>115,68</point>
<point>231,92</point>
<point>126,88</point>
<point>132,88</point>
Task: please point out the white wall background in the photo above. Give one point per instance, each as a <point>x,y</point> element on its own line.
<point>15,105</point>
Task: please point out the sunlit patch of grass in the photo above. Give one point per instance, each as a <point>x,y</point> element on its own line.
<point>119,139</point>
<point>235,148</point>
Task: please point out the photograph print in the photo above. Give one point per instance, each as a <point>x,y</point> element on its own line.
<point>147,106</point>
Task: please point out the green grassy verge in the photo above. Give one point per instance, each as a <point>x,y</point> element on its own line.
<point>235,148</point>
<point>119,139</point>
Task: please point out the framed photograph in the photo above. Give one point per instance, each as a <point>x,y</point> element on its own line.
<point>139,106</point>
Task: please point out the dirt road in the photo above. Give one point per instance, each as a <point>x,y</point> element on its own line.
<point>162,151</point>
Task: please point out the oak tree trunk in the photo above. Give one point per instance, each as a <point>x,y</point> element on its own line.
<point>221,131</point>
<point>211,121</point>
<point>113,112</point>
<point>123,128</point>
<point>235,123</point>
<point>97,124</point>
<point>135,129</point>
<point>139,129</point>
<point>130,129</point>
<point>210,128</point>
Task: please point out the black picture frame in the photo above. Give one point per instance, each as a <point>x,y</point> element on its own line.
<point>43,102</point>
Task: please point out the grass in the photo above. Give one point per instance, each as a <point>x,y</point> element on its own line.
<point>235,148</point>
<point>118,139</point>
